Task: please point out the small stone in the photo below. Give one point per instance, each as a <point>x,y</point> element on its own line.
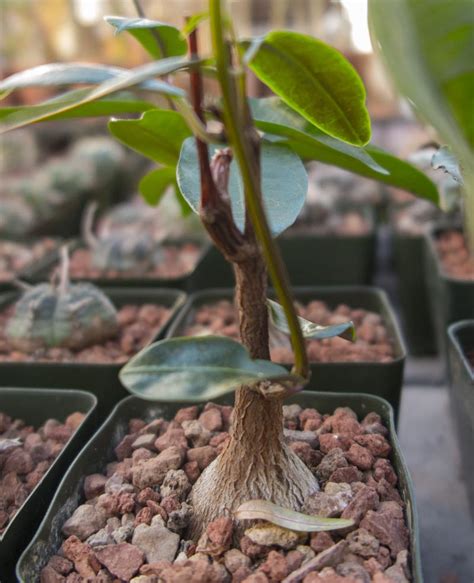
<point>328,441</point>
<point>376,444</point>
<point>18,461</point>
<point>329,503</point>
<point>266,534</point>
<point>172,438</point>
<point>291,415</point>
<point>306,551</point>
<point>217,538</point>
<point>100,538</point>
<point>175,484</point>
<point>74,420</point>
<point>202,455</point>
<point>353,571</point>
<point>211,420</point>
<point>86,520</point>
<point>147,441</point>
<point>60,564</point>
<point>320,541</point>
<point>311,457</point>
<point>384,469</point>
<point>124,448</point>
<point>365,499</point>
<point>187,414</point>
<point>94,485</point>
<point>308,437</point>
<point>235,559</point>
<point>49,575</point>
<point>362,543</point>
<point>82,556</point>
<point>156,542</point>
<point>192,471</point>
<point>387,525</point>
<point>275,566</point>
<point>152,472</point>
<point>179,519</point>
<point>122,560</point>
<point>331,462</point>
<point>196,433</point>
<point>348,475</point>
<point>253,550</point>
<point>360,457</point>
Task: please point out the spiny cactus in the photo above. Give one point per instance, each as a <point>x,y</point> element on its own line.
<point>61,314</point>
<point>134,250</point>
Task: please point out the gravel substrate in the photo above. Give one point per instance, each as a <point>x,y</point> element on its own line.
<point>350,224</point>
<point>138,325</point>
<point>14,257</point>
<point>373,340</point>
<point>454,255</point>
<point>132,523</point>
<point>25,456</point>
<point>179,260</point>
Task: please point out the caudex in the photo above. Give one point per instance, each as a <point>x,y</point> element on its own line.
<point>246,181</point>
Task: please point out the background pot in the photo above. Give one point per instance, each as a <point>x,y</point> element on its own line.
<point>35,406</point>
<point>42,272</point>
<point>461,338</point>
<point>413,293</point>
<point>380,378</point>
<point>451,299</point>
<point>100,379</point>
<point>99,451</point>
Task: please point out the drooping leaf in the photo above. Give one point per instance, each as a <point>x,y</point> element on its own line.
<point>131,78</point>
<point>153,186</point>
<point>445,159</point>
<point>436,71</point>
<point>194,21</point>
<point>316,81</point>
<point>158,134</point>
<point>312,144</point>
<point>195,369</point>
<point>284,183</point>
<point>287,518</point>
<point>171,42</point>
<point>309,329</point>
<point>113,105</point>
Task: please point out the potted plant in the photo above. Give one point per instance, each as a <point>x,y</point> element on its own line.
<point>437,79</point>
<point>40,433</point>
<point>234,179</point>
<point>461,369</point>
<point>69,335</point>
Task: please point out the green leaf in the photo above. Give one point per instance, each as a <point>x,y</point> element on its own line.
<point>153,186</point>
<point>114,105</point>
<point>195,369</point>
<point>429,54</point>
<point>194,21</point>
<point>309,329</point>
<point>316,81</point>
<point>284,184</point>
<point>171,42</point>
<point>131,78</point>
<point>446,160</point>
<point>158,134</point>
<point>287,518</point>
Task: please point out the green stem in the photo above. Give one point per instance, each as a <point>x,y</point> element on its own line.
<point>240,132</point>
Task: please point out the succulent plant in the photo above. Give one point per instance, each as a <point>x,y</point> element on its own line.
<point>19,152</point>
<point>61,314</point>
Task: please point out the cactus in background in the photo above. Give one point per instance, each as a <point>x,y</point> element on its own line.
<point>61,314</point>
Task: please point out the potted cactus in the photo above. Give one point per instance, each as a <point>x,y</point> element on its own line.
<point>247,189</point>
<point>437,79</point>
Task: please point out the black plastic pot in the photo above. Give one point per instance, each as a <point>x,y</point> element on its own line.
<point>381,379</point>
<point>35,406</point>
<point>461,339</point>
<point>100,379</point>
<point>413,293</point>
<point>185,282</point>
<point>99,451</point>
<point>451,299</point>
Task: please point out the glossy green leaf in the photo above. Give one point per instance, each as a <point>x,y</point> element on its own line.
<point>309,329</point>
<point>171,42</point>
<point>158,134</point>
<point>287,518</point>
<point>317,81</point>
<point>194,21</point>
<point>284,184</point>
<point>446,160</point>
<point>195,369</point>
<point>132,78</point>
<point>429,55</point>
<point>153,186</point>
<point>311,144</point>
<point>114,105</point>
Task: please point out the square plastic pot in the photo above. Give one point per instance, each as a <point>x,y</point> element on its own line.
<point>100,379</point>
<point>384,379</point>
<point>99,451</point>
<point>35,406</point>
<point>413,293</point>
<point>185,282</point>
<point>451,299</point>
<point>460,339</point>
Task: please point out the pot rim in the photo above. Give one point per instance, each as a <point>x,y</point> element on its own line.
<point>453,330</point>
<point>430,235</point>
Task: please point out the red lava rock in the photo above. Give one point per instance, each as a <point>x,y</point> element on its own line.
<point>122,560</point>
<point>328,441</point>
<point>147,494</point>
<point>376,444</point>
<point>49,575</point>
<point>19,462</point>
<point>187,414</point>
<point>172,438</point>
<point>82,556</point>
<point>211,420</point>
<point>365,499</point>
<point>454,255</point>
<point>304,451</point>
<point>144,516</point>
<point>94,485</point>
<point>360,457</point>
<point>74,420</point>
<point>275,567</point>
<point>152,472</point>
<point>124,448</point>
<point>253,550</point>
<point>383,469</point>
<point>330,463</point>
<point>192,470</point>
<point>202,455</point>
<point>372,424</point>
<point>388,526</point>
<point>320,541</point>
<point>170,504</point>
<point>348,474</point>
<point>60,564</point>
<point>258,577</point>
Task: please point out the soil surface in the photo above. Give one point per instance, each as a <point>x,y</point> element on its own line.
<point>132,523</point>
<point>350,224</point>
<point>454,255</point>
<point>25,456</point>
<point>14,257</point>
<point>179,260</point>
<point>138,325</point>
<point>373,340</point>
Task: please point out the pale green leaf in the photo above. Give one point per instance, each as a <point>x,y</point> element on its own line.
<point>446,160</point>
<point>154,184</point>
